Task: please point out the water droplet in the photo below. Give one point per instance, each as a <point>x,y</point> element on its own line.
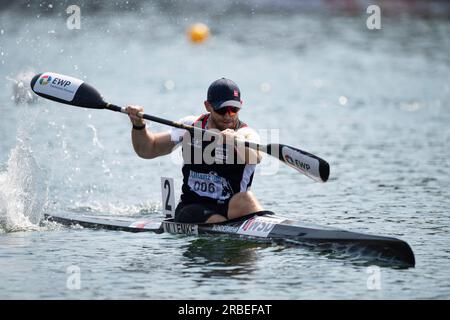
<point>265,87</point>
<point>169,85</point>
<point>343,100</point>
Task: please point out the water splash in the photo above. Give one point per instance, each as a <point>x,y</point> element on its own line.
<point>95,141</point>
<point>21,89</point>
<point>23,192</point>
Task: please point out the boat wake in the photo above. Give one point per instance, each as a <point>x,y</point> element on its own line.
<point>115,208</point>
<point>356,254</point>
<point>23,193</point>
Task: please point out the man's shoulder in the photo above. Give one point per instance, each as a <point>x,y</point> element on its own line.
<point>176,134</point>
<point>190,119</point>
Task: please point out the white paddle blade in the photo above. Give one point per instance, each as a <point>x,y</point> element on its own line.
<point>57,86</point>
<point>304,162</point>
<point>307,165</point>
<point>67,90</point>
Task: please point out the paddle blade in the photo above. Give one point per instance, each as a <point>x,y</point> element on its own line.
<point>305,162</point>
<point>68,90</point>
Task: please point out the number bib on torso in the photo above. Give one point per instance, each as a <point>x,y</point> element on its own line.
<point>209,185</point>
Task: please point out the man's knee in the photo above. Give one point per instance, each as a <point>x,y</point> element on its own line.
<point>245,196</point>
<point>244,201</point>
<point>215,218</point>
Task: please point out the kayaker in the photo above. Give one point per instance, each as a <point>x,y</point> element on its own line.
<point>217,175</point>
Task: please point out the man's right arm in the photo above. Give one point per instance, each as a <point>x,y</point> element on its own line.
<point>150,145</point>
<point>146,144</point>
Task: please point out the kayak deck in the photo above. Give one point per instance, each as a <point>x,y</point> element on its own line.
<point>260,226</point>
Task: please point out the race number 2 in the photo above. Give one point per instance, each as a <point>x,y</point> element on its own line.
<point>168,197</point>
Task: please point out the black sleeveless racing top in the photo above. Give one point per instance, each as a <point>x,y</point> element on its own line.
<point>209,175</point>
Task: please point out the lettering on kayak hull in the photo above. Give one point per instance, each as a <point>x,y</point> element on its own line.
<point>258,226</point>
<point>183,228</point>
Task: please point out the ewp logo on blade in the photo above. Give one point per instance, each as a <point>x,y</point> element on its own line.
<point>58,82</point>
<point>45,79</point>
<point>57,85</point>
<point>297,163</point>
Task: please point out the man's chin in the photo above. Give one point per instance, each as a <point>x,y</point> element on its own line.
<point>228,125</point>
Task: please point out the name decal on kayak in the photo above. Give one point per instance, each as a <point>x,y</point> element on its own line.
<point>256,227</point>
<point>184,228</point>
<point>224,228</point>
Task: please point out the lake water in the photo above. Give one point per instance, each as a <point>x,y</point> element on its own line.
<point>373,103</point>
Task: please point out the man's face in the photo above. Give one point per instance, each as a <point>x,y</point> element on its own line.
<point>224,118</point>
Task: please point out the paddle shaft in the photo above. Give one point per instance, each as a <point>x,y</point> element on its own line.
<point>191,129</point>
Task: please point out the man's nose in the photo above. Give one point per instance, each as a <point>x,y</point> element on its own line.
<point>228,114</point>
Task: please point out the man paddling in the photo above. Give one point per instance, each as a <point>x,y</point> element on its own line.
<point>212,191</point>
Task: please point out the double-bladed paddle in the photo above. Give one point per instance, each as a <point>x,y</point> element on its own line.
<point>75,92</point>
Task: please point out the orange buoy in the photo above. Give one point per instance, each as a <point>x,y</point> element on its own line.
<point>198,32</point>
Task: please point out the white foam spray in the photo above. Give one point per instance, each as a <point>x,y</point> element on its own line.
<point>23,192</point>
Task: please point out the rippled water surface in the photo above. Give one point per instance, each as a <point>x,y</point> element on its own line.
<point>374,104</point>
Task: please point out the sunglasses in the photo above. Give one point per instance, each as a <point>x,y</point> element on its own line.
<point>231,110</point>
